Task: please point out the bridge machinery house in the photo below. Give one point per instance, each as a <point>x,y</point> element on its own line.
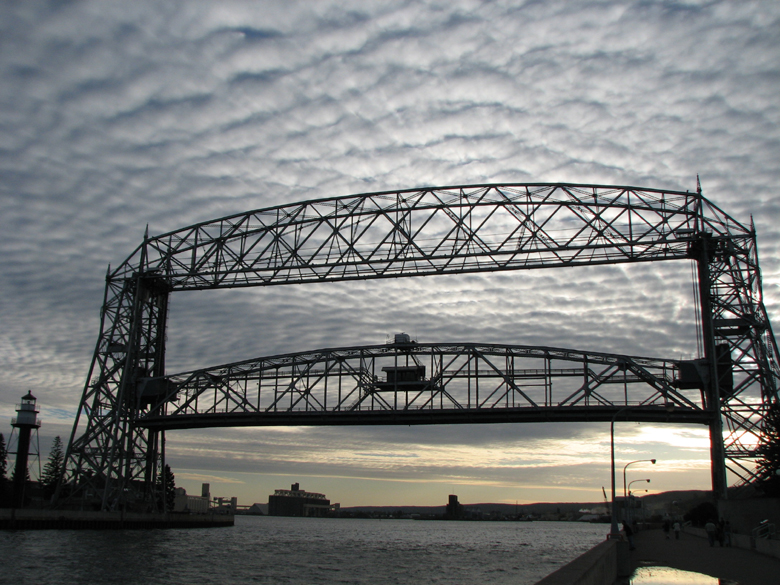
<point>298,502</point>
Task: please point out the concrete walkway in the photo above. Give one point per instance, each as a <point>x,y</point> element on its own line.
<point>693,553</point>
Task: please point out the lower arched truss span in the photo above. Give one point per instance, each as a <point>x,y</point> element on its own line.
<point>406,383</point>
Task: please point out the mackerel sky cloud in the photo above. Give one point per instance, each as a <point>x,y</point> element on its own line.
<point>116,116</point>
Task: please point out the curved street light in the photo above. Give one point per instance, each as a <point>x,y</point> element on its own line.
<point>626,467</point>
<point>636,480</point>
<point>614,533</point>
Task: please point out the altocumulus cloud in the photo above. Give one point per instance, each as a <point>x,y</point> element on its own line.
<point>118,116</point>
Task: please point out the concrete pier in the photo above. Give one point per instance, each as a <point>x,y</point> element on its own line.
<point>693,553</point>
<point>27,519</point>
<point>745,562</point>
<point>598,566</point>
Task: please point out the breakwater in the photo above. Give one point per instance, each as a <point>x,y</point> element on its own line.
<point>11,519</point>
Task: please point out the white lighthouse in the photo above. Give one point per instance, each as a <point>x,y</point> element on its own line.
<point>26,420</point>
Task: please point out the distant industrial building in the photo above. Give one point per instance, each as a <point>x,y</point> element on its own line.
<point>454,509</point>
<point>256,510</point>
<point>192,504</point>
<point>298,502</point>
<point>203,504</point>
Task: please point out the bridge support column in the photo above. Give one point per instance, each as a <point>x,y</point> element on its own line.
<point>712,388</point>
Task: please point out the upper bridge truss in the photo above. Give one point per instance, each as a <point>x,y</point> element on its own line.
<point>414,233</point>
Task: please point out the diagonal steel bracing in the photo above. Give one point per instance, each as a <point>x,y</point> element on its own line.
<point>115,452</point>
<point>425,384</point>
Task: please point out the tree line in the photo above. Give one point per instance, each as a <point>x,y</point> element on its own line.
<point>49,477</point>
<point>54,468</point>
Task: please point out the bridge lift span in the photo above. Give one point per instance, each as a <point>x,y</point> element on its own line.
<point>115,453</point>
<point>387,384</point>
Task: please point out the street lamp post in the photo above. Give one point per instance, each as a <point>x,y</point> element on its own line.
<point>614,533</point>
<point>636,480</point>
<point>631,500</point>
<point>631,463</point>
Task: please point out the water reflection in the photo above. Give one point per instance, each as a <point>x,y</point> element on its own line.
<point>669,576</point>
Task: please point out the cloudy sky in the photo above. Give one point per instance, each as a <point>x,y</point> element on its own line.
<point>117,115</point>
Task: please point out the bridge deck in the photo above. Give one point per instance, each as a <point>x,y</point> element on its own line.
<point>637,413</point>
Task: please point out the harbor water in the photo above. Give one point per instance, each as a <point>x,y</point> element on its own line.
<point>276,550</point>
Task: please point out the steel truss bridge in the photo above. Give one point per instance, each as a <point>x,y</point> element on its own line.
<point>116,451</point>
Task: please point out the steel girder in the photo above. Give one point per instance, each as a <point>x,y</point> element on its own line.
<point>414,233</point>
<point>421,232</point>
<point>449,383</point>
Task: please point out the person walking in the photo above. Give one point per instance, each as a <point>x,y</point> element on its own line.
<point>721,532</point>
<point>629,536</point>
<point>677,529</point>
<point>710,528</point>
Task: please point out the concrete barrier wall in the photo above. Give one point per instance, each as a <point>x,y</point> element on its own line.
<point>745,515</point>
<point>767,547</point>
<point>598,566</point>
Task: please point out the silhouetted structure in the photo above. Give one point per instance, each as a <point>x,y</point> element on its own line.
<point>454,508</point>
<point>298,502</point>
<point>130,400</point>
<point>26,420</point>
<point>193,504</point>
